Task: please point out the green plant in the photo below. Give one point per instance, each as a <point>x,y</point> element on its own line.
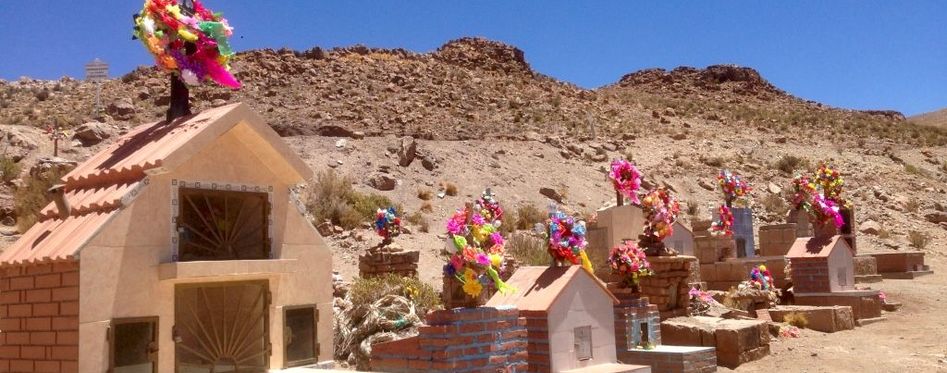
<point>919,240</point>
<point>333,198</point>
<point>914,170</point>
<point>365,291</point>
<point>787,164</point>
<point>527,215</point>
<point>528,249</point>
<point>9,169</point>
<point>797,319</point>
<point>30,198</point>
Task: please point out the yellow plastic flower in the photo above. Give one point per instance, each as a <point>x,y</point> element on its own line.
<point>471,285</point>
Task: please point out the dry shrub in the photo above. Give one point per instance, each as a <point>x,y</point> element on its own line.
<point>9,169</point>
<point>527,215</point>
<point>713,161</point>
<point>912,205</point>
<point>364,292</point>
<point>693,208</point>
<point>797,319</point>
<point>333,198</point>
<point>775,204</point>
<point>31,197</point>
<point>450,188</point>
<point>918,239</point>
<point>915,170</point>
<point>427,207</point>
<point>528,250</point>
<point>419,220</point>
<point>425,194</point>
<point>788,164</point>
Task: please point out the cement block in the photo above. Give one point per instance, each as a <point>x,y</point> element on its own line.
<point>828,319</point>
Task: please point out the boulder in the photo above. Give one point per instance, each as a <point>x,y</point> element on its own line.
<point>121,109</point>
<point>936,217</point>
<point>92,133</point>
<point>382,182</point>
<point>551,194</point>
<point>869,227</point>
<point>407,152</point>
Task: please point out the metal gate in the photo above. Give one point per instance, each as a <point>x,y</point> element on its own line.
<point>221,327</point>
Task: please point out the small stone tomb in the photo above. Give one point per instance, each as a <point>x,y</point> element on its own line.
<point>901,264</point>
<point>612,226</point>
<point>823,274</point>
<point>681,239</point>
<point>569,318</point>
<point>736,341</point>
<point>390,258</point>
<point>828,319</point>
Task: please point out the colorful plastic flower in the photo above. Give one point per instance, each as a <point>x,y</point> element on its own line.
<point>478,245</point>
<point>387,223</point>
<point>723,225</point>
<point>565,237</point>
<point>732,185</point>
<point>660,209</point>
<point>626,179</point>
<point>192,43</point>
<point>629,262</point>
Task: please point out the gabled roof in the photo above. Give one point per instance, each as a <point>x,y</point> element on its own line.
<point>537,288</point>
<point>97,188</point>
<point>816,247</point>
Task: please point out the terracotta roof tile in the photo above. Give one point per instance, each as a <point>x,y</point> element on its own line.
<point>815,247</point>
<point>100,186</point>
<point>537,288</point>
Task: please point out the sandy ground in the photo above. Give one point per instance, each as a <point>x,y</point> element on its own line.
<point>913,339</point>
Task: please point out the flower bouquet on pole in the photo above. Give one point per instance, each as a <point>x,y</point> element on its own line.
<point>821,198</point>
<point>660,210</point>
<point>565,236</point>
<point>387,224</point>
<point>734,189</point>
<point>627,180</point>
<point>476,253</point>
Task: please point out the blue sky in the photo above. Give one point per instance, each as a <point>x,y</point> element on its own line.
<point>854,54</point>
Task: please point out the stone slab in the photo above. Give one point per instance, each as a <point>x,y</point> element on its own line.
<point>736,341</point>
<point>868,279</point>
<point>673,359</point>
<point>872,320</point>
<point>828,319</point>
<point>910,275</point>
<point>612,368</point>
<point>865,304</point>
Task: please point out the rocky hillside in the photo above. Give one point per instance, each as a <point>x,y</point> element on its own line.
<point>681,125</point>
<point>934,119</point>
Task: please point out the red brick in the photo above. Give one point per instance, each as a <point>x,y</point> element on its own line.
<point>69,367</point>
<point>10,297</point>
<point>70,279</point>
<point>39,269</point>
<point>10,324</point>
<point>70,266</point>
<point>37,323</point>
<point>65,353</point>
<point>67,338</point>
<point>37,296</point>
<point>69,308</point>
<point>66,323</point>
<point>33,352</point>
<point>4,365</point>
<point>21,283</point>
<point>419,364</point>
<point>17,338</point>
<point>21,366</point>
<point>46,309</point>
<point>9,352</point>
<point>47,367</point>
<point>20,310</point>
<point>66,293</point>
<point>43,338</point>
<point>12,271</point>
<point>4,311</point>
<point>51,280</point>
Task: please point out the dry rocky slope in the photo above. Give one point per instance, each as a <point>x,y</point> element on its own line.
<point>936,118</point>
<point>484,118</point>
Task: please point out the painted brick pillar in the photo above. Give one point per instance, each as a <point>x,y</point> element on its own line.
<point>477,339</point>
<point>39,318</point>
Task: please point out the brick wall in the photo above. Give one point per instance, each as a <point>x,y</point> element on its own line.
<point>668,287</point>
<point>899,262</point>
<point>776,239</point>
<point>39,318</point>
<point>810,275</point>
<point>712,249</point>
<point>723,275</point>
<point>388,259</point>
<point>865,265</point>
<point>481,339</point>
<point>633,308</point>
